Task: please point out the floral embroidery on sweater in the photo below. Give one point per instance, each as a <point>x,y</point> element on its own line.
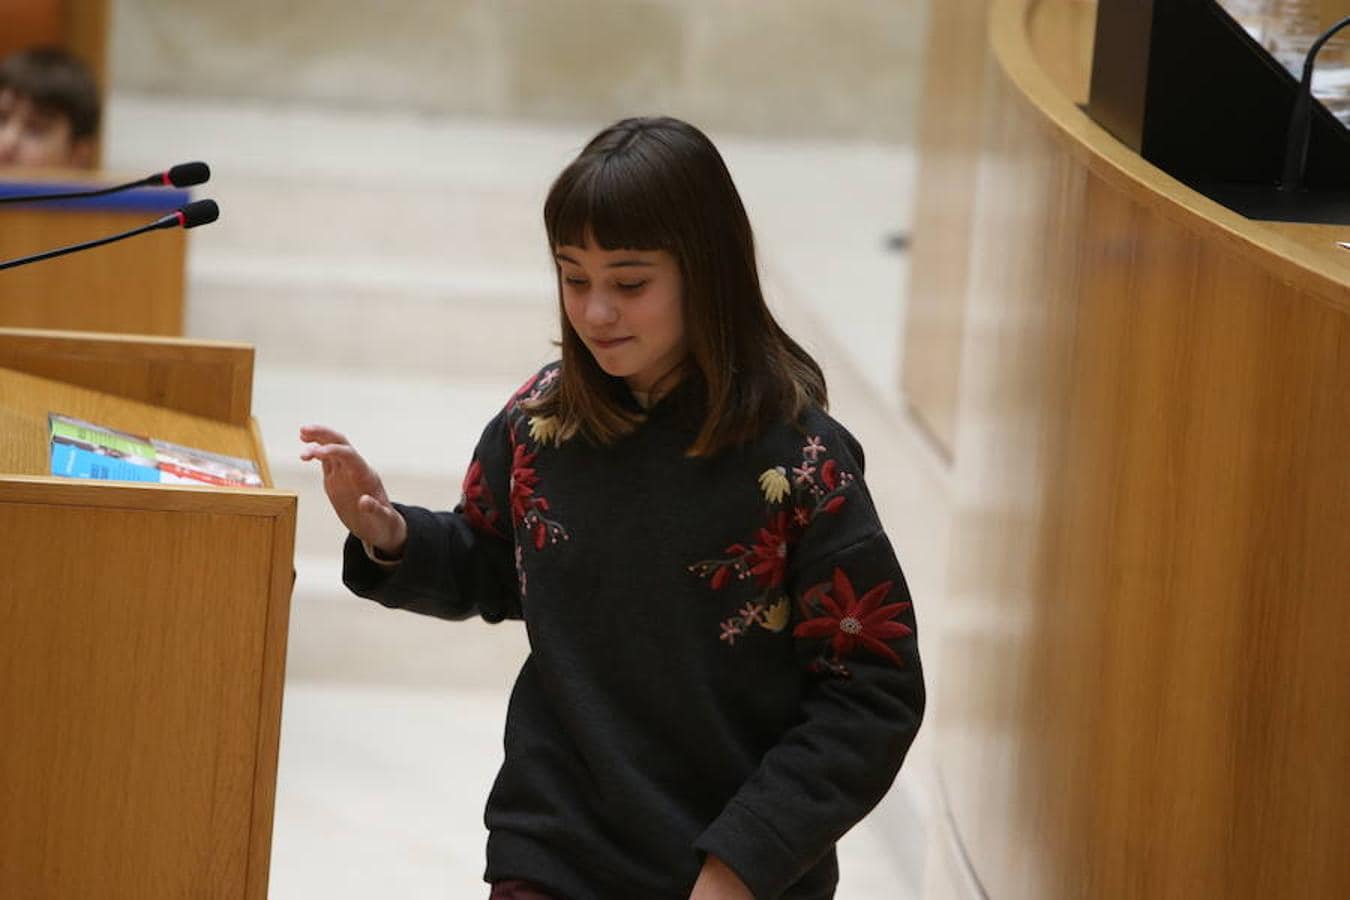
<point>833,610</point>
<point>794,497</point>
<point>527,504</point>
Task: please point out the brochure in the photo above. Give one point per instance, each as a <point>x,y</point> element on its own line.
<point>82,449</point>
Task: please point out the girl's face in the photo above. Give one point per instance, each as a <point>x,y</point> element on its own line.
<point>627,306</point>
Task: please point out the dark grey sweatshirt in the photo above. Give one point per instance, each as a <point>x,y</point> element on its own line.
<point>722,659</point>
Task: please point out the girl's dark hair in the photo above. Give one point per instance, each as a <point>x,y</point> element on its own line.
<point>55,81</point>
<point>660,184</point>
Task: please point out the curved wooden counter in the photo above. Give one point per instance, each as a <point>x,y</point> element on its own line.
<point>1147,691</point>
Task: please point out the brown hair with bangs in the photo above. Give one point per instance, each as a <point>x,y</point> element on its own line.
<point>660,184</point>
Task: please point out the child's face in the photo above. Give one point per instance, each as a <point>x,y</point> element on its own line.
<point>627,306</point>
<point>34,137</point>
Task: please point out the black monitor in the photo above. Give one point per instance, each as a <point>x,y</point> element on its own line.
<point>1183,84</point>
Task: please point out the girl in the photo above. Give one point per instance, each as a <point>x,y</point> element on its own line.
<point>723,675</point>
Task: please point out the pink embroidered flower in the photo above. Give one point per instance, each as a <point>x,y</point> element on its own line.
<point>522,390</point>
<point>851,621</point>
<point>802,516</point>
<point>804,473</point>
<point>813,448</point>
<point>750,613</point>
<point>768,556</point>
<point>730,631</point>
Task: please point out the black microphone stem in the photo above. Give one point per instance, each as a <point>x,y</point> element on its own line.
<point>87,245</point>
<point>1300,120</point>
<point>179,176</point>
<point>75,195</point>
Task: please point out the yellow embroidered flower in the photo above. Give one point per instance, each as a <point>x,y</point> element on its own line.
<point>773,482</point>
<point>544,430</point>
<point>776,616</point>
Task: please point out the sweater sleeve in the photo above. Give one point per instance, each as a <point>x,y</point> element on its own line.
<point>455,564</point>
<point>854,633</point>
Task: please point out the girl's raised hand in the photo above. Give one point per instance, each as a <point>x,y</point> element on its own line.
<point>355,490</point>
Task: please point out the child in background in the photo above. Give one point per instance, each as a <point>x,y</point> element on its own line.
<point>723,676</point>
<point>49,110</point>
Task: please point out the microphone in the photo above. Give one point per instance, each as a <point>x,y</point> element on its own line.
<point>185,174</point>
<point>182,175</point>
<point>198,212</point>
<point>1300,120</point>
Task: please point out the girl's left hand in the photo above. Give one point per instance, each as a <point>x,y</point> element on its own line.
<point>717,882</point>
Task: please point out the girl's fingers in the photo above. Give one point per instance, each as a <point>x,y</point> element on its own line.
<point>321,434</point>
<point>335,452</point>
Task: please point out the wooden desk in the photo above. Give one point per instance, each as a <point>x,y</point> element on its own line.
<point>1149,687</point>
<point>134,287</point>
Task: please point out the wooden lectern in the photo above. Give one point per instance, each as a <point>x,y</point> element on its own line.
<point>142,631</point>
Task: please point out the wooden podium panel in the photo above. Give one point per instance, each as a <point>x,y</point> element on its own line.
<point>135,286</point>
<point>207,379</point>
<point>142,650</point>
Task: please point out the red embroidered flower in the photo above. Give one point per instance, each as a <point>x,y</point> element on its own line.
<point>853,620</point>
<point>523,480</point>
<point>768,556</point>
<point>478,505</point>
<point>827,474</point>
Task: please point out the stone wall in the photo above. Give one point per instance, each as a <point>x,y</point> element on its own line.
<point>794,68</point>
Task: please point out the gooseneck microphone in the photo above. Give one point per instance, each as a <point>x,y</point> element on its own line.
<point>198,212</point>
<point>182,175</point>
<point>1300,120</point>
